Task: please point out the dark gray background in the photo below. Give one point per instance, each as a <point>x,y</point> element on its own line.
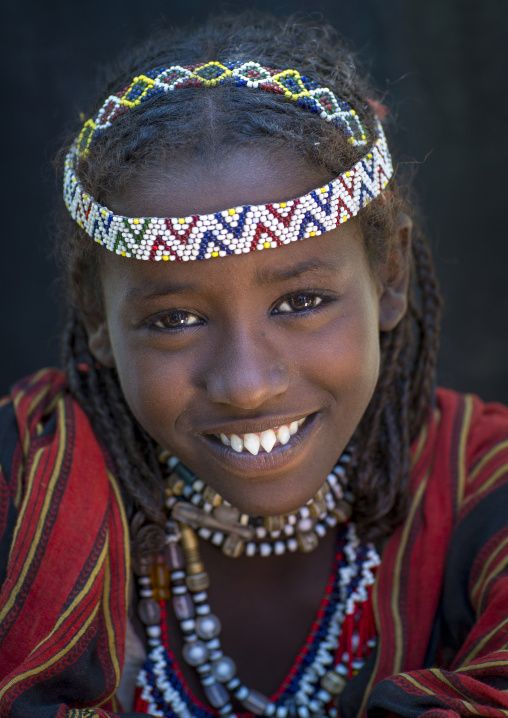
<point>444,65</point>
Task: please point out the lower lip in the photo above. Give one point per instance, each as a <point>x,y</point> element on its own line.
<point>263,463</point>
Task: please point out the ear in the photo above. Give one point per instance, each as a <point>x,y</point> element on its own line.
<point>99,342</point>
<point>394,276</point>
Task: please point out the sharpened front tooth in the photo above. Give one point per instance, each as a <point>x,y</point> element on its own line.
<point>293,427</point>
<point>251,443</point>
<point>236,443</point>
<point>225,440</point>
<point>300,421</point>
<point>283,434</point>
<point>268,439</point>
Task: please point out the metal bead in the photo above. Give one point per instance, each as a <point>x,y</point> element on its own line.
<point>223,669</point>
<point>174,556</point>
<point>333,682</point>
<point>216,694</point>
<point>208,627</point>
<point>255,702</point>
<point>198,582</point>
<point>149,611</point>
<point>342,511</point>
<point>233,546</point>
<point>274,523</point>
<point>183,606</point>
<point>195,653</point>
<point>307,541</point>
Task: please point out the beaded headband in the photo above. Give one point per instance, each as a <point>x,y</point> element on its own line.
<point>237,229</point>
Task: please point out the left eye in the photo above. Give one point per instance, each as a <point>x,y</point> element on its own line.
<point>177,319</point>
<point>300,302</point>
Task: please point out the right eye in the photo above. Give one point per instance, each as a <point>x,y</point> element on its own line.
<point>177,319</point>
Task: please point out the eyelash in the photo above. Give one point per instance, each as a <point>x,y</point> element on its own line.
<point>324,300</point>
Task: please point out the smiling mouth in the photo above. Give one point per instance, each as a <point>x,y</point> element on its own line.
<point>261,441</point>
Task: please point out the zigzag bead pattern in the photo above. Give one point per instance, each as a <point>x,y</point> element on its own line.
<point>238,229</point>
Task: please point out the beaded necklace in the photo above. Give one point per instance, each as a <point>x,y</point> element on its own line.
<point>341,638</point>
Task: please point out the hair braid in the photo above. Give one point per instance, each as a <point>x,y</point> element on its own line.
<point>130,448</point>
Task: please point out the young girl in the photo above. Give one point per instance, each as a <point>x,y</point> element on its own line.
<point>245,494</point>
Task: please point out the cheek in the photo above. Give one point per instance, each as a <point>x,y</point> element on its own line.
<point>347,357</point>
<point>157,389</point>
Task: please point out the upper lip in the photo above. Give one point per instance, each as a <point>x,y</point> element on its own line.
<point>253,426</point>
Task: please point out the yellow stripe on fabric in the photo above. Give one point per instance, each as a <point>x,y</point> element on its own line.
<point>492,479</point>
<point>397,665</point>
<point>378,652</point>
<point>482,580</point>
<point>440,675</point>
<point>395,598</point>
<point>42,516</point>
<point>422,438</point>
<point>502,446</point>
<point>79,597</point>
<point>481,666</point>
<point>464,432</point>
<point>36,400</point>
<point>4,400</point>
<point>73,639</point>
<point>112,637</point>
<point>479,646</point>
<point>417,684</point>
<point>125,527</point>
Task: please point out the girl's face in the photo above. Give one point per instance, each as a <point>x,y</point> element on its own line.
<point>245,344</point>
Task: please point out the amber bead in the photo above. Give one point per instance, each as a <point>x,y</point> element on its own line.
<point>159,578</point>
<point>176,484</point>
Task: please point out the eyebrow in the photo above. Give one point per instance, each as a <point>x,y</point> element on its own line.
<point>275,274</point>
<point>263,277</point>
<point>159,290</point>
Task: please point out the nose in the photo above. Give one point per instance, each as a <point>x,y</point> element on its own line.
<point>247,371</point>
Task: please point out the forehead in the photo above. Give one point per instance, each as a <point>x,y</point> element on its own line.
<point>187,185</point>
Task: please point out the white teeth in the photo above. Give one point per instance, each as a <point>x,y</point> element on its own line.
<point>268,439</point>
<point>293,428</point>
<point>236,443</point>
<point>283,434</point>
<point>251,443</point>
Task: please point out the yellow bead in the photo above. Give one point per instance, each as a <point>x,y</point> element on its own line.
<point>283,205</point>
<point>135,221</point>
<point>266,245</point>
<point>165,257</point>
<point>312,234</point>
<point>123,254</point>
<point>231,211</point>
<point>351,141</point>
<point>348,174</point>
<point>181,220</point>
<point>353,113</point>
<point>287,94</point>
<point>215,254</point>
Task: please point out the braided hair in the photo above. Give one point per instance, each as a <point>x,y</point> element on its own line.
<point>188,123</point>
